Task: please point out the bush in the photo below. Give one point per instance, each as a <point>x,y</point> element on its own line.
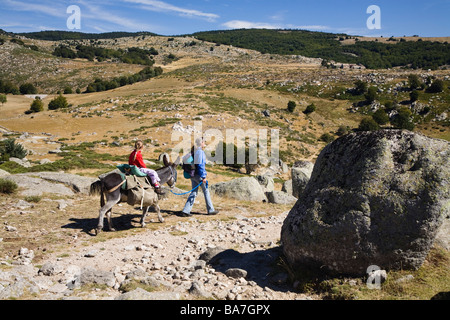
<point>291,106</point>
<point>414,82</point>
<point>37,105</point>
<point>436,87</point>
<point>9,148</point>
<point>58,102</point>
<point>342,130</point>
<point>27,88</point>
<point>371,94</point>
<point>414,95</point>
<point>7,186</point>
<point>380,117</point>
<point>368,124</point>
<point>360,88</point>
<point>3,98</point>
<point>403,119</point>
<point>326,137</point>
<point>68,90</point>
<point>310,109</point>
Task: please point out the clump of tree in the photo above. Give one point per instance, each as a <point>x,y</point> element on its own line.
<point>3,98</point>
<point>27,88</point>
<point>104,85</point>
<point>9,148</point>
<point>59,102</point>
<point>7,87</point>
<point>36,106</point>
<point>310,109</point>
<point>131,55</point>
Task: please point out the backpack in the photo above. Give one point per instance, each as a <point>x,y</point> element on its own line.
<point>188,166</point>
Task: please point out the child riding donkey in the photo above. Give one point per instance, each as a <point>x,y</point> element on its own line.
<point>137,160</point>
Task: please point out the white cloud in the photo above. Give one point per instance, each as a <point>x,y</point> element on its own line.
<point>160,6</point>
<point>42,8</point>
<point>240,24</point>
<point>100,14</point>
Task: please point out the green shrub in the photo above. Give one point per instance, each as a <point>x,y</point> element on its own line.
<point>37,105</point>
<point>7,186</point>
<point>58,103</point>
<point>9,148</point>
<point>380,116</point>
<point>310,109</point>
<point>291,106</point>
<point>327,138</point>
<point>368,124</point>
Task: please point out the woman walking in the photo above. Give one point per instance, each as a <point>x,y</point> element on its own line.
<point>199,176</point>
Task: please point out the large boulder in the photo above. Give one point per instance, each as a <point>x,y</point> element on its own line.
<point>247,188</point>
<point>301,173</point>
<point>374,198</point>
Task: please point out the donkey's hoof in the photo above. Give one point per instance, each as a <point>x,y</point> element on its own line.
<point>97,231</point>
<point>161,219</point>
<point>112,229</point>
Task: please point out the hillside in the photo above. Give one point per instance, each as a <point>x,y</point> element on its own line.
<point>371,54</point>
<point>222,87</point>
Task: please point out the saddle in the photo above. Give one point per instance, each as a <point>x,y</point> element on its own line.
<point>136,185</point>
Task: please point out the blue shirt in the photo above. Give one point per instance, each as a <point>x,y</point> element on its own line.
<point>200,162</point>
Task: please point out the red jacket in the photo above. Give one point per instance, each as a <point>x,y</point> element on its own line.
<point>138,161</point>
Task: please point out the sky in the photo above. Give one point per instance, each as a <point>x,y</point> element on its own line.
<point>177,17</point>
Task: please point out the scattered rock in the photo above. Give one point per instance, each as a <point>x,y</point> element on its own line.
<point>246,188</point>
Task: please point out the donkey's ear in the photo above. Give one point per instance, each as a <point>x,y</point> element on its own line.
<point>166,161</point>
<point>177,162</point>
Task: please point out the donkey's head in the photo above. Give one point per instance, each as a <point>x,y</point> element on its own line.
<point>168,173</point>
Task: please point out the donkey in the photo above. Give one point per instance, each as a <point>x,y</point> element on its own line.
<point>110,186</point>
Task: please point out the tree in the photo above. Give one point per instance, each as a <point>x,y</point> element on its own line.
<point>291,106</point>
<point>368,124</point>
<point>380,117</point>
<point>310,109</point>
<point>403,119</point>
<point>68,90</point>
<point>414,82</point>
<point>3,98</point>
<point>360,88</point>
<point>371,94</point>
<point>37,105</point>
<point>27,88</point>
<point>58,102</point>
<point>436,87</point>
<point>9,148</point>
<point>414,95</point>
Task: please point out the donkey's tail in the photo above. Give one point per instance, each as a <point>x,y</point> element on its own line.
<point>97,189</point>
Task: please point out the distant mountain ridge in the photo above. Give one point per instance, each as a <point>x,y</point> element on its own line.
<point>73,35</point>
<point>328,46</point>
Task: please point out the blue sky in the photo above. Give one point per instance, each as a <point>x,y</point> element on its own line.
<point>175,17</point>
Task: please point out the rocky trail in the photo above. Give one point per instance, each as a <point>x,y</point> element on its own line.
<point>227,259</point>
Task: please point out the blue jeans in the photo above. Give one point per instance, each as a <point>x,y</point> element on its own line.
<point>190,201</point>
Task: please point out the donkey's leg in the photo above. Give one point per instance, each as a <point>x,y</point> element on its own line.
<point>158,212</point>
<point>111,200</point>
<point>144,215</point>
<point>108,217</point>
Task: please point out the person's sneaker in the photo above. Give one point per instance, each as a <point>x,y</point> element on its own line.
<point>158,190</point>
<point>213,212</point>
<point>184,214</point>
